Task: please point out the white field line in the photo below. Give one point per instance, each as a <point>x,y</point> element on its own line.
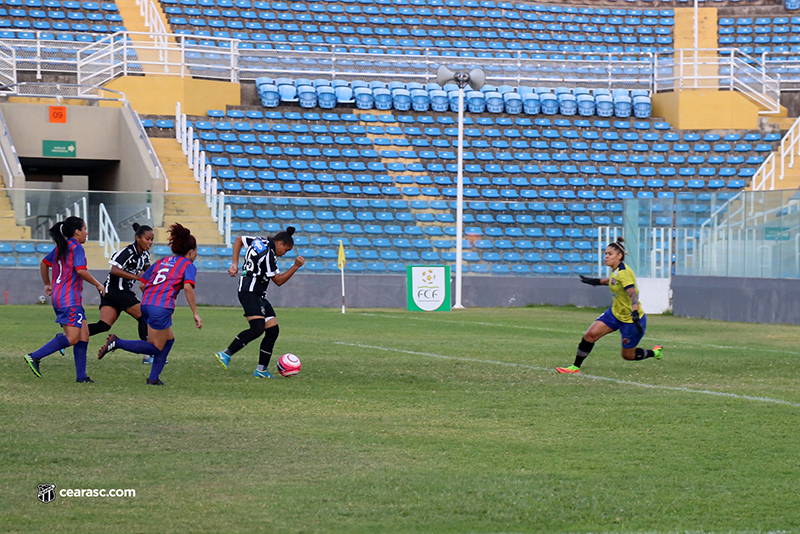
<point>661,341</point>
<point>593,377</point>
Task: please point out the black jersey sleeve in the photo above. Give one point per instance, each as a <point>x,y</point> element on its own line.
<point>122,259</point>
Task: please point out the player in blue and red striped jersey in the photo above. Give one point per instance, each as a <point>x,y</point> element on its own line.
<point>68,261</point>
<point>163,281</point>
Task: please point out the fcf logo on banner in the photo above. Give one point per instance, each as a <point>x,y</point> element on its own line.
<point>428,288</point>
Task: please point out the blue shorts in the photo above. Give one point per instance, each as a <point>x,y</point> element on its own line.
<point>70,316</point>
<point>157,318</point>
<point>630,335</point>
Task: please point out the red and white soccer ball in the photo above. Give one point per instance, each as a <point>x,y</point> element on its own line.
<point>289,365</point>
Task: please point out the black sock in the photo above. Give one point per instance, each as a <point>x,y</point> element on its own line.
<point>142,328</point>
<point>643,354</point>
<point>267,344</point>
<point>584,348</point>
<point>246,336</point>
<point>98,328</point>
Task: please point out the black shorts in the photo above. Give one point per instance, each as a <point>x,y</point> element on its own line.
<point>119,300</point>
<point>254,305</point>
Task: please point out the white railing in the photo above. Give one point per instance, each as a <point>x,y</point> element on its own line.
<point>774,167</point>
<point>79,208</point>
<point>7,165</point>
<point>8,64</point>
<point>764,177</point>
<point>126,53</point>
<point>160,173</point>
<point>202,172</point>
<point>152,19</point>
<point>727,69</point>
<point>109,239</point>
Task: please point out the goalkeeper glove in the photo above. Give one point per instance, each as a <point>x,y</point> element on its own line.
<point>637,321</point>
<point>590,281</point>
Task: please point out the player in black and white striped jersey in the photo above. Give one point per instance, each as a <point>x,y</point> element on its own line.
<point>126,267</point>
<point>259,268</point>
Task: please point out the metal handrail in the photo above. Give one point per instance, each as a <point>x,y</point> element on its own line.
<point>6,164</point>
<point>109,239</point>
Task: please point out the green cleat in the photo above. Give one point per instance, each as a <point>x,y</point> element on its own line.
<point>657,352</point>
<point>569,370</point>
<point>33,363</point>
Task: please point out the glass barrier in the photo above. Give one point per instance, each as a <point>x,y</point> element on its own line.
<point>555,233</point>
<point>752,234</point>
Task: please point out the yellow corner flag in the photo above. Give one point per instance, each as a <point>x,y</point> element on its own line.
<point>342,261</point>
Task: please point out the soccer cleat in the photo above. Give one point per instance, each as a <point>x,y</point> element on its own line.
<point>223,359</point>
<point>156,382</point>
<point>569,370</point>
<point>148,360</point>
<point>110,345</point>
<point>86,380</point>
<point>261,374</point>
<point>33,363</point>
<point>657,352</point>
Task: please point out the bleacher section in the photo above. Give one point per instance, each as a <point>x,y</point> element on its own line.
<point>382,236</point>
<point>536,188</point>
<point>67,21</point>
<point>414,154</point>
<point>426,24</point>
<point>404,96</point>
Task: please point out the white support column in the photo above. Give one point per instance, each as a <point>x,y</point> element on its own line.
<point>214,200</point>
<point>460,199</point>
<point>221,213</point>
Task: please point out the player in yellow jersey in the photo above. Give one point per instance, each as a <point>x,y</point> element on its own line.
<point>625,313</point>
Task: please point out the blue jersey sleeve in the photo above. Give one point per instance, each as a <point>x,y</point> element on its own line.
<point>78,258</point>
<point>190,274</point>
<point>50,257</point>
<point>148,274</point>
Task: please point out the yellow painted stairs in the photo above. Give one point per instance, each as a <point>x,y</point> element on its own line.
<point>183,203</point>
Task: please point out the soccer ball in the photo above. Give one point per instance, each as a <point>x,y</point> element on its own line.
<point>288,365</point>
<point>41,300</point>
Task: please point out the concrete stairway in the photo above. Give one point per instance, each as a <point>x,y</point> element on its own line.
<point>183,203</point>
<point>135,22</point>
<point>8,221</point>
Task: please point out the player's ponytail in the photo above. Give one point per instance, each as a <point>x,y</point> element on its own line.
<point>181,240</point>
<point>285,236</point>
<point>64,230</point>
<point>619,245</point>
<point>141,229</point>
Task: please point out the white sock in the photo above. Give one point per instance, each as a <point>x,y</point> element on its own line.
<point>262,368</point>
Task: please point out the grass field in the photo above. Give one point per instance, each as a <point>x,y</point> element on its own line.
<point>408,422</point>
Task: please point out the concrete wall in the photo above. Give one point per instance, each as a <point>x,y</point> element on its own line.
<point>749,300</point>
<point>706,110</point>
<point>157,95</point>
<point>94,129</point>
<point>103,133</point>
<point>363,291</point>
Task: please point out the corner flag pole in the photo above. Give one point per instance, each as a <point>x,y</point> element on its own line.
<point>341,264</point>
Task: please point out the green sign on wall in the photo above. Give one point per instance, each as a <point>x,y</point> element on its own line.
<point>428,287</point>
<point>59,149</point>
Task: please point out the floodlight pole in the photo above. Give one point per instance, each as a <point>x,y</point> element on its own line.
<point>460,197</point>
